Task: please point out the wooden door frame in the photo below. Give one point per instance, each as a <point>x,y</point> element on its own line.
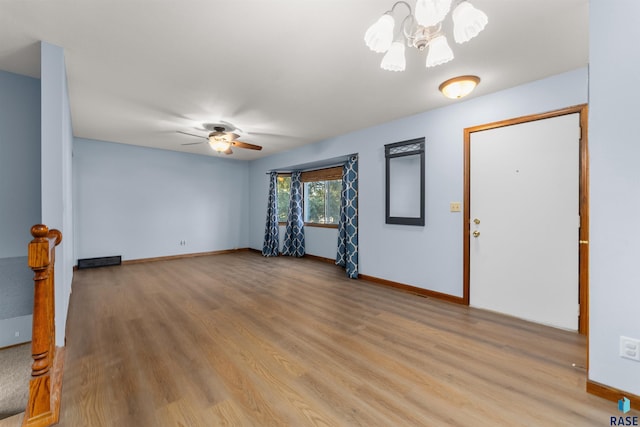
<point>583,246</point>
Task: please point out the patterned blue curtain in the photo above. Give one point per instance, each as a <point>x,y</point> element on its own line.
<point>271,233</point>
<point>294,234</point>
<point>347,256</point>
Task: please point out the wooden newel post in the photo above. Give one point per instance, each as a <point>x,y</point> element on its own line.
<point>41,261</point>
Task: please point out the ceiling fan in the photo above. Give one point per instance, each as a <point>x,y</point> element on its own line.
<point>221,138</point>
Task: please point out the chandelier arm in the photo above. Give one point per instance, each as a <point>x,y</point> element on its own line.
<point>437,30</point>
<point>408,35</point>
<point>401,30</point>
<point>393,8</point>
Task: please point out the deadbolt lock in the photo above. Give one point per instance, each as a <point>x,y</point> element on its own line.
<point>476,221</point>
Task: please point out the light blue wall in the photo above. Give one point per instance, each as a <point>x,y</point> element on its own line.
<point>614,148</point>
<point>141,202</point>
<point>16,288</point>
<point>318,241</point>
<point>19,201</point>
<point>16,301</point>
<point>19,162</point>
<point>56,172</point>
<point>428,257</point>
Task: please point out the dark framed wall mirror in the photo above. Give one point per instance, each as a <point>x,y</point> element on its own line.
<point>405,182</point>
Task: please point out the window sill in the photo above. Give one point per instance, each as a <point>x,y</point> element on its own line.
<point>313,224</point>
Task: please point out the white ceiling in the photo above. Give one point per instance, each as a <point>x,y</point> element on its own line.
<point>287,72</point>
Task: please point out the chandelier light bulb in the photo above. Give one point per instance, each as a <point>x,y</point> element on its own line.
<point>467,22</point>
<point>430,12</point>
<point>394,59</point>
<point>380,35</point>
<point>439,52</point>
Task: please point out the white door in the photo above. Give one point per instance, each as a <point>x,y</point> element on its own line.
<point>523,256</point>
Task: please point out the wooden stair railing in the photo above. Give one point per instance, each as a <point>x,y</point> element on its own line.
<point>45,385</point>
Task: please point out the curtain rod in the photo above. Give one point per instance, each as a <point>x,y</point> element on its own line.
<point>307,170</point>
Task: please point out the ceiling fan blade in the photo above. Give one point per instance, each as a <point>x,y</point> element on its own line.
<point>241,144</point>
<point>228,151</point>
<point>193,143</point>
<point>191,134</point>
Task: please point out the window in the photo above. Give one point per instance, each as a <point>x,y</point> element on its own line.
<point>322,202</point>
<point>321,190</point>
<point>283,190</point>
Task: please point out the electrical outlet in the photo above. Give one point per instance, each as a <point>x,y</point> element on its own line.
<point>454,206</point>
<point>17,334</point>
<point>630,348</point>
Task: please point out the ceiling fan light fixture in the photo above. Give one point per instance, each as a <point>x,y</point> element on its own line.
<point>459,87</point>
<point>219,144</point>
<point>467,22</point>
<point>221,138</point>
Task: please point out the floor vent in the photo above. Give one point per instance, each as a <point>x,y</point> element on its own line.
<point>99,262</point>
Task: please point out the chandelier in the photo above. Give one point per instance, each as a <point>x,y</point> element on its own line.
<point>422,29</point>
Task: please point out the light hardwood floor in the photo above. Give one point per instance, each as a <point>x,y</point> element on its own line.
<point>242,340</point>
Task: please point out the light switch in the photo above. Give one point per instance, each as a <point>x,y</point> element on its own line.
<point>454,206</point>
<point>630,348</point>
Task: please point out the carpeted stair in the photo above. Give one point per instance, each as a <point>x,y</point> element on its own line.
<point>15,371</point>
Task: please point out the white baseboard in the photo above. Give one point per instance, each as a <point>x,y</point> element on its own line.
<point>16,325</point>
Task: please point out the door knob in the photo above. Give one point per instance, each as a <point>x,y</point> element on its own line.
<point>476,233</point>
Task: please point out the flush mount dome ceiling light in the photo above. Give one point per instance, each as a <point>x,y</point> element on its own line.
<point>459,87</point>
<point>422,30</point>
